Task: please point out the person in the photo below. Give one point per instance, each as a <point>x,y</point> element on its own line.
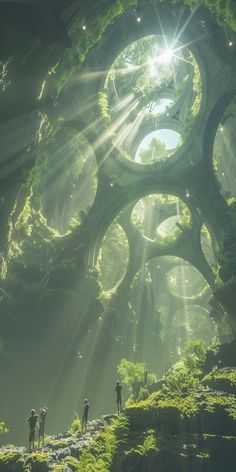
<point>41,420</point>
<point>118,389</point>
<point>32,421</point>
<point>85,416</point>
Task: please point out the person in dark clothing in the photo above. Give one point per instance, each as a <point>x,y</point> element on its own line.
<point>41,420</point>
<point>32,421</point>
<point>118,389</point>
<point>85,416</point>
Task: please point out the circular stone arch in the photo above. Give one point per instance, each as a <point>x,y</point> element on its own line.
<point>145,130</point>
<point>160,267</point>
<point>122,125</point>
<point>119,201</point>
<point>115,42</point>
<point>181,283</point>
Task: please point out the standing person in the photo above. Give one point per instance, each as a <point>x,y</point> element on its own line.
<point>85,416</point>
<point>32,421</point>
<point>42,417</point>
<point>118,389</point>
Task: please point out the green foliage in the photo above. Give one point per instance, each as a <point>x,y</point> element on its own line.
<point>9,459</point>
<point>82,43</point>
<point>228,403</point>
<point>15,460</point>
<point>58,468</point>
<point>186,405</point>
<point>104,106</point>
<point>174,411</point>
<point>184,375</point>
<point>221,379</point>
<point>76,424</point>
<point>143,393</point>
<point>194,354</point>
<point>222,374</point>
<point>156,150</point>
<point>197,91</point>
<point>147,445</point>
<point>132,374</point>
<point>99,455</point>
<point>180,378</point>
<point>3,427</point>
<point>214,346</point>
<point>38,461</point>
<point>72,463</point>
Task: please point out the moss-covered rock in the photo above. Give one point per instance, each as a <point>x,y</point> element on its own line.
<point>221,379</point>
<point>38,462</point>
<point>201,411</point>
<point>10,461</point>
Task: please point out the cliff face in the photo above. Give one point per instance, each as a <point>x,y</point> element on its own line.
<point>176,431</point>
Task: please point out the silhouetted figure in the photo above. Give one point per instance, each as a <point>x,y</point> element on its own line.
<point>118,389</point>
<point>85,416</point>
<point>41,420</point>
<point>32,421</point>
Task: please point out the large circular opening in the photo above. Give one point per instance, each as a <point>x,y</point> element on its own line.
<point>151,90</point>
<point>207,246</point>
<point>158,107</point>
<point>70,173</point>
<point>166,315</point>
<point>157,146</point>
<point>160,216</point>
<point>194,323</point>
<point>113,257</point>
<point>186,282</point>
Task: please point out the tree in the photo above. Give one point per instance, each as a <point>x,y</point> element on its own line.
<point>133,374</point>
<point>194,354</point>
<point>155,151</point>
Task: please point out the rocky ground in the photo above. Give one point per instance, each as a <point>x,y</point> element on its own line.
<point>51,456</point>
<point>178,430</point>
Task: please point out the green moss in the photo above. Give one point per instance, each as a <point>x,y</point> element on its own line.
<point>104,106</point>
<point>84,41</point>
<point>9,457</point>
<point>148,443</point>
<point>58,468</point>
<point>59,443</point>
<point>72,463</point>
<point>227,403</point>
<point>99,455</point>
<point>225,375</point>
<point>75,425</point>
<point>186,404</point>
